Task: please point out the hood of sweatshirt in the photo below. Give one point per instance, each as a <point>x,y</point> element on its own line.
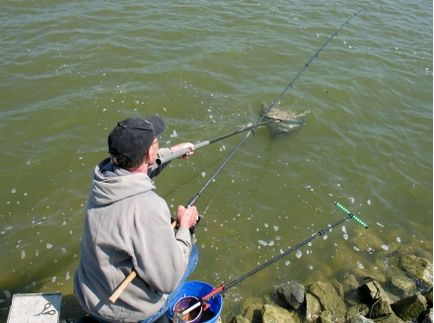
<point>111,184</point>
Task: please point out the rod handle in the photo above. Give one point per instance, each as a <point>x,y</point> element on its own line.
<point>120,289</point>
<point>353,217</point>
<point>127,280</point>
<point>179,153</point>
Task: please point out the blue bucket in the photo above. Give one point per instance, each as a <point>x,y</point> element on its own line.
<point>200,289</point>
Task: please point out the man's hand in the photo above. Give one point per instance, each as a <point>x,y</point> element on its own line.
<point>183,145</point>
<point>187,217</point>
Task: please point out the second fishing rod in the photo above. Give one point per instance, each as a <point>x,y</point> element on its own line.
<point>221,289</point>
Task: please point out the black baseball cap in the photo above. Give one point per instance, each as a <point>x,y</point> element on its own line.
<point>132,137</point>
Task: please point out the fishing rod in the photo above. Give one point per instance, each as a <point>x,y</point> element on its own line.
<point>224,287</point>
<point>182,152</point>
<point>258,122</point>
<point>267,110</point>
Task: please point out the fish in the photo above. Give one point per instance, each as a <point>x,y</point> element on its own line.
<point>285,121</point>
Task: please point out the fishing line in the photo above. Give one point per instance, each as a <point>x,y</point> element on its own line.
<point>273,104</point>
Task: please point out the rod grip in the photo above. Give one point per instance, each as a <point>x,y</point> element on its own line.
<point>181,152</point>
<point>172,155</point>
<point>120,289</point>
<point>352,216</point>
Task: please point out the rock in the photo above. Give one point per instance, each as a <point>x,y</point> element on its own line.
<point>339,289</point>
<point>313,308</point>
<point>417,268</point>
<point>411,307</point>
<point>369,239</point>
<point>350,285</point>
<point>372,273</point>
<point>404,284</point>
<point>358,318</point>
<point>276,314</point>
<point>428,318</point>
<point>292,294</point>
<point>251,310</point>
<point>239,319</point>
<point>376,298</point>
<point>428,296</point>
<point>357,310</point>
<point>329,299</point>
<point>326,317</point>
<point>349,282</point>
<point>392,318</point>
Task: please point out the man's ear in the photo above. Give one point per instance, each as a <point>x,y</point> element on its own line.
<point>148,156</point>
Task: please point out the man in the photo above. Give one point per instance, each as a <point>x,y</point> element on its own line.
<point>127,226</point>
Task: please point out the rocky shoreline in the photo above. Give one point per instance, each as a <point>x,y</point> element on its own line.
<point>403,294</point>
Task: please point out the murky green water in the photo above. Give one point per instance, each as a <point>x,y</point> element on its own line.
<point>70,70</point>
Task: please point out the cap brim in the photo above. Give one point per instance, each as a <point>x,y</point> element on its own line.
<point>157,124</point>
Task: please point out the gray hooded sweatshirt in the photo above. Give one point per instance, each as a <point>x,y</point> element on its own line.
<point>127,225</point>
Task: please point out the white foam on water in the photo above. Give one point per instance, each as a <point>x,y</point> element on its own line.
<point>262,242</point>
<point>298,254</point>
